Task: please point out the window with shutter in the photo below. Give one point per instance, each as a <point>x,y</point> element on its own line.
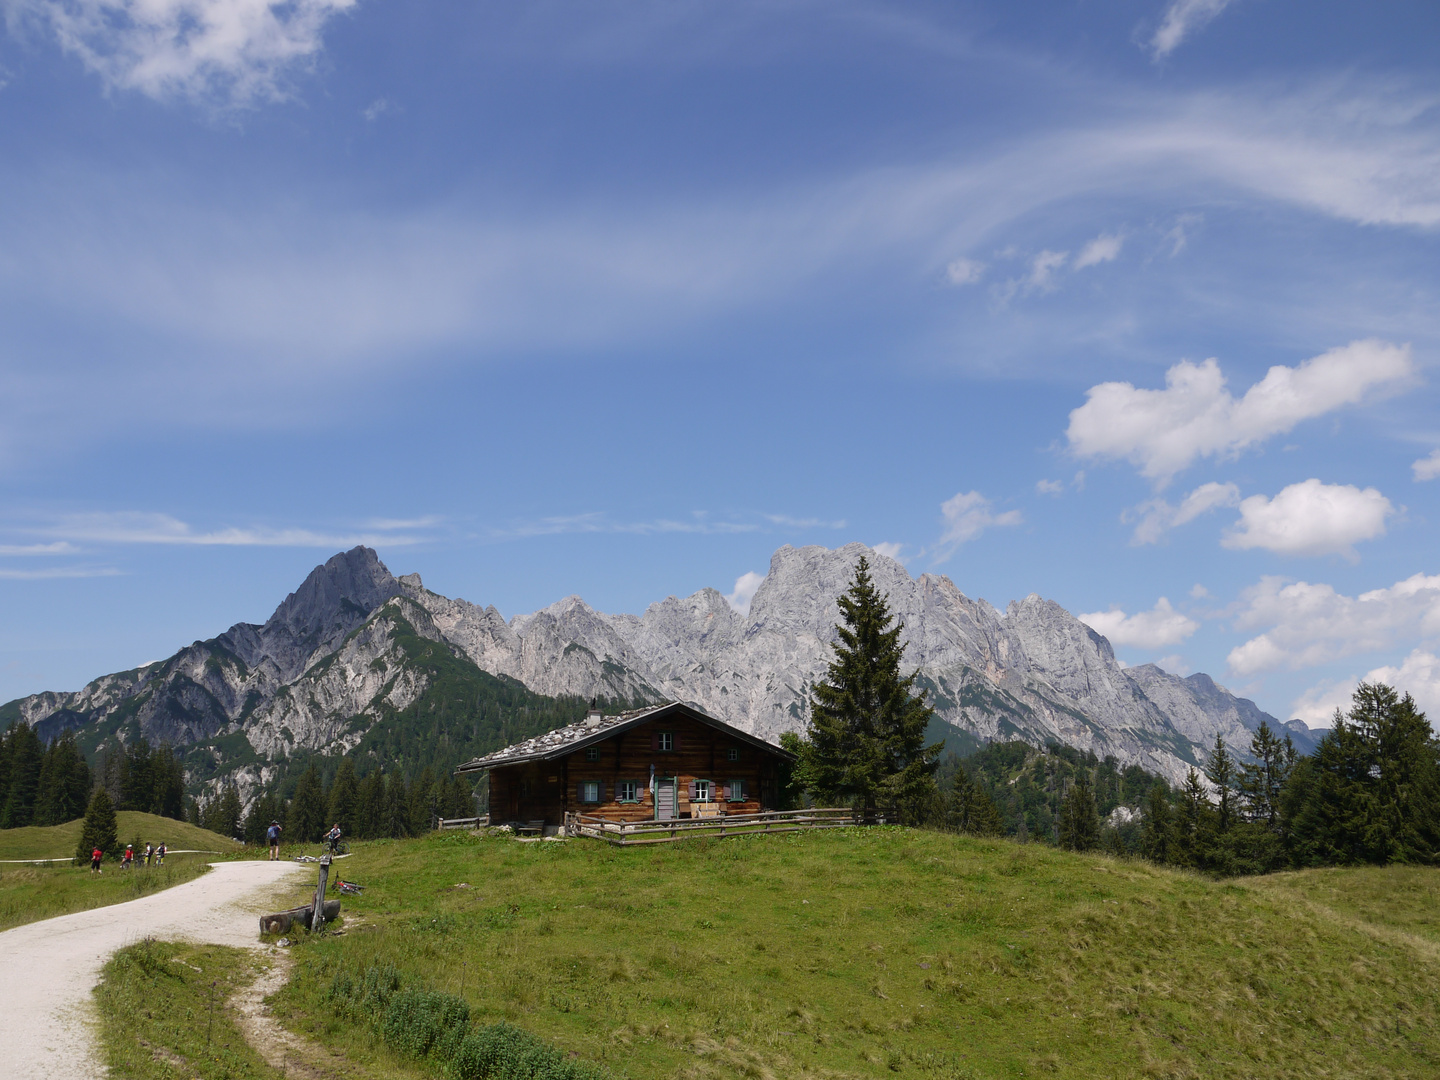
<point>589,791</point>
<point>735,791</point>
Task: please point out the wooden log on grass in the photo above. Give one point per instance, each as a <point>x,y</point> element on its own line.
<point>296,918</point>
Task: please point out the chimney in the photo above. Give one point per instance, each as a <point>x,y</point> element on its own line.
<point>593,717</point>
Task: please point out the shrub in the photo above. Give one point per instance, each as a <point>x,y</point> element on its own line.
<point>422,1022</point>
<point>502,1052</point>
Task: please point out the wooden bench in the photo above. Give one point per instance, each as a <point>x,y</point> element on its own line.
<point>531,828</point>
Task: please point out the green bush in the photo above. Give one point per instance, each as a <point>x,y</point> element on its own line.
<point>502,1052</point>
<point>423,1022</point>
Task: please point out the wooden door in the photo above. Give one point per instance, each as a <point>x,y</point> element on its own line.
<point>665,798</point>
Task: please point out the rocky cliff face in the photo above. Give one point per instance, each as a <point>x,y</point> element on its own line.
<point>330,661</point>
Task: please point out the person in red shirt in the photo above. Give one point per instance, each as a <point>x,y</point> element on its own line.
<point>95,857</point>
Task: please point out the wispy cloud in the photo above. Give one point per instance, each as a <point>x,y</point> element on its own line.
<point>1427,468</point>
<point>964,272</point>
<point>746,585</point>
<point>1182,18</point>
<point>597,522</point>
<point>1158,517</point>
<point>57,547</point>
<point>57,572</point>
<point>965,517</point>
<point>219,51</point>
<point>804,523</point>
<point>138,527</point>
<point>1104,248</point>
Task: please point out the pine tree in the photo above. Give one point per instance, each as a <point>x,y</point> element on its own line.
<point>1262,779</point>
<point>1220,771</point>
<point>344,798</point>
<point>423,803</point>
<point>971,810</point>
<point>865,742</point>
<point>1079,823</point>
<point>371,810</point>
<point>64,789</point>
<point>305,821</point>
<point>225,816</point>
<point>138,790</point>
<point>1371,790</point>
<point>1193,826</point>
<point>26,760</point>
<point>395,810</point>
<point>100,830</point>
<point>1156,836</point>
<point>167,783</point>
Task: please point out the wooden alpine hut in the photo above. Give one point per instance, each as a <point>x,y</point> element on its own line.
<point>655,764</point>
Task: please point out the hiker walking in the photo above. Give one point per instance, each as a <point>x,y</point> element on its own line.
<point>160,854</point>
<point>95,857</point>
<point>272,836</point>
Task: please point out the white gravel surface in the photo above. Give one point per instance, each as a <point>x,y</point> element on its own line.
<point>48,968</point>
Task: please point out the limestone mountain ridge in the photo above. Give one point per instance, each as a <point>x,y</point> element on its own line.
<point>339,656</point>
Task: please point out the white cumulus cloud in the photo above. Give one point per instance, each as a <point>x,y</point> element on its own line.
<point>240,50</point>
<point>966,516</point>
<point>1311,518</point>
<point>1157,517</point>
<point>1418,675</point>
<point>1427,468</point>
<point>1308,624</point>
<point>745,587</point>
<point>1153,629</point>
<point>888,549</point>
<point>1164,431</point>
<point>1182,18</point>
<point>1104,248</point>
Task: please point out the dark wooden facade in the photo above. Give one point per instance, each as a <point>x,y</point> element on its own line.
<point>669,762</point>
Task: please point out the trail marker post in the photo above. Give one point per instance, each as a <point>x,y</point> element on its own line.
<point>317,918</point>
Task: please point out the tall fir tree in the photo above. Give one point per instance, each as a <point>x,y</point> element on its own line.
<point>395,810</point>
<point>423,802</point>
<point>1371,790</point>
<point>1193,826</point>
<point>101,829</point>
<point>1079,828</point>
<point>865,741</point>
<point>1220,771</point>
<point>225,815</point>
<point>27,757</point>
<point>971,810</point>
<point>344,802</point>
<point>1262,779</point>
<point>64,791</point>
<point>1156,836</point>
<point>371,810</point>
<point>305,821</point>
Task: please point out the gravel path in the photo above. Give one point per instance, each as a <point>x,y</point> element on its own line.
<point>48,968</point>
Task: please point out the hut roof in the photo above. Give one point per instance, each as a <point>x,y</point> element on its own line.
<point>577,736</point>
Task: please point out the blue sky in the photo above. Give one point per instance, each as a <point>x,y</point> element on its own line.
<point>1133,305</point>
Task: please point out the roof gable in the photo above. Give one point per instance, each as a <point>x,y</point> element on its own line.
<point>566,740</point>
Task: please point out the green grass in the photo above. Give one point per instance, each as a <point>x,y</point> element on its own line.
<point>887,952</point>
<point>29,893</point>
<point>163,1015</point>
<point>58,841</point>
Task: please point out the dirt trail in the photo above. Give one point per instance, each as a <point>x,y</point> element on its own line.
<point>48,968</point>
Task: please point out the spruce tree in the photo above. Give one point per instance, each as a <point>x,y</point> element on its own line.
<point>1193,825</point>
<point>225,817</point>
<point>1220,771</point>
<point>305,821</point>
<point>1156,835</point>
<point>423,802</point>
<point>100,830</point>
<point>64,789</point>
<point>1263,778</point>
<point>371,810</point>
<point>26,759</point>
<point>971,810</point>
<point>344,798</point>
<point>1079,828</point>
<point>865,741</point>
<point>395,810</point>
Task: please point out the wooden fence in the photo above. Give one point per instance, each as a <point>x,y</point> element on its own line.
<point>463,822</point>
<point>625,833</point>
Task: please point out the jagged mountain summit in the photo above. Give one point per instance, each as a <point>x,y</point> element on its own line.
<point>355,645</point>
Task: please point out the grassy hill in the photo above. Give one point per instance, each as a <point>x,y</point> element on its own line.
<point>869,953</point>
<point>58,841</point>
